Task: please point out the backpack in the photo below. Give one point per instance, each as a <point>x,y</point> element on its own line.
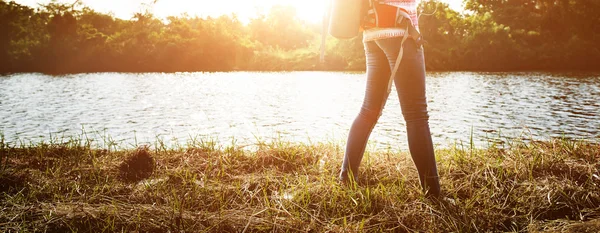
<point>346,17</point>
<point>343,20</point>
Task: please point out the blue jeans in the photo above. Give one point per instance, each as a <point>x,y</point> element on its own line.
<point>410,83</point>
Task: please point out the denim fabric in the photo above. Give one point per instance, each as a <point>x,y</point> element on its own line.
<point>410,85</point>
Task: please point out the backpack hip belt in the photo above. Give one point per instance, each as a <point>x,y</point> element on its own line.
<point>376,17</point>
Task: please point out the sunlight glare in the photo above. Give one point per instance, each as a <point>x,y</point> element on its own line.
<point>307,10</point>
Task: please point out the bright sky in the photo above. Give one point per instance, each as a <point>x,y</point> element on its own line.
<point>311,10</point>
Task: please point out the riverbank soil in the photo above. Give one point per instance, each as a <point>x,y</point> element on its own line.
<point>549,186</point>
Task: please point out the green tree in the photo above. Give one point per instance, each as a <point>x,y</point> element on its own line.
<point>493,35</point>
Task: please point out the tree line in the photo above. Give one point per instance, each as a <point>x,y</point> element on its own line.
<point>491,35</point>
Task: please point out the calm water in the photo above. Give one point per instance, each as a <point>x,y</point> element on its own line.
<point>297,106</point>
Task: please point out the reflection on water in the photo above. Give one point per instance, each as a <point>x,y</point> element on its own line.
<point>298,106</point>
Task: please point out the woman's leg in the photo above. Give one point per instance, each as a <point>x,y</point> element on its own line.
<point>378,74</point>
<point>410,84</point>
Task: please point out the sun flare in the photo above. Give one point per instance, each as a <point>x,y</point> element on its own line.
<point>306,10</point>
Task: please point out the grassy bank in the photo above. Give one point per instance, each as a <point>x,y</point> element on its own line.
<point>536,186</point>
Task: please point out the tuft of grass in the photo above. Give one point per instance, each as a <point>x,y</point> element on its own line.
<point>69,186</point>
<point>137,166</point>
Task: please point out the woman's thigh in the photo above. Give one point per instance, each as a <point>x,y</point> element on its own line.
<point>378,74</point>
<point>410,77</point>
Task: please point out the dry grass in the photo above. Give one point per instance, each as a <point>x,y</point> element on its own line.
<point>137,166</point>
<point>281,187</point>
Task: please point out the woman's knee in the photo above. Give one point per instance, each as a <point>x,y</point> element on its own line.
<point>369,115</point>
<point>415,113</point>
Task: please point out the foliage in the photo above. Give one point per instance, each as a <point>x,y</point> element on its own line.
<point>492,35</point>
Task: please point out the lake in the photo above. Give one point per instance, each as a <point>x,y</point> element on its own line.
<point>249,107</point>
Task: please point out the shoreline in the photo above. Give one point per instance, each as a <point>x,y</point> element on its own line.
<point>538,186</point>
<point>558,71</point>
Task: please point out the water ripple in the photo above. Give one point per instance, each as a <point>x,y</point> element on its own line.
<point>297,106</point>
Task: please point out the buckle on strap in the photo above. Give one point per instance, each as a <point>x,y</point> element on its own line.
<point>403,21</point>
<point>420,41</point>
